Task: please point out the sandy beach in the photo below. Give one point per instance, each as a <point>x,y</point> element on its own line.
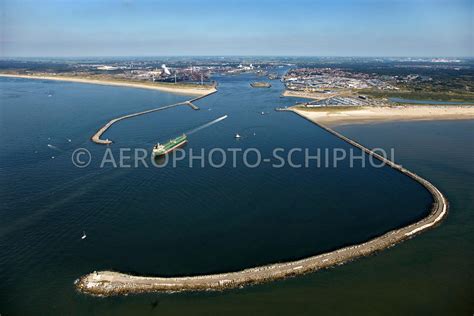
<point>180,89</point>
<point>334,116</point>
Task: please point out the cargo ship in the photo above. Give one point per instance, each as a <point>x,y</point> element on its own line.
<point>260,84</point>
<point>169,146</point>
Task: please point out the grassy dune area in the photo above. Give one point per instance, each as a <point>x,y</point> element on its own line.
<point>451,96</point>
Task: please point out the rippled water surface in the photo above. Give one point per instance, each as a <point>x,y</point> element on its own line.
<point>174,221</point>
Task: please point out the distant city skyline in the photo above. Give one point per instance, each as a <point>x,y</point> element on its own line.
<point>401,28</point>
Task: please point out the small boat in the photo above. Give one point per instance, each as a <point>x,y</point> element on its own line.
<point>263,113</point>
<point>260,84</point>
<point>84,236</point>
<point>237,135</point>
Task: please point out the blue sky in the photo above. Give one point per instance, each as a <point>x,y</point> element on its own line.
<point>236,27</point>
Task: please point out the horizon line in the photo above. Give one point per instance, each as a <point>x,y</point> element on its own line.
<point>243,55</point>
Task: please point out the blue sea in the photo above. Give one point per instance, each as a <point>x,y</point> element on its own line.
<point>184,220</point>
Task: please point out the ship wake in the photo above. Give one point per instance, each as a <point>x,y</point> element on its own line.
<point>217,120</point>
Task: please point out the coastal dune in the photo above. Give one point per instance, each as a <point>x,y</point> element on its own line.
<point>106,283</point>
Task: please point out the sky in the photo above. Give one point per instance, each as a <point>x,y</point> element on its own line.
<point>37,28</point>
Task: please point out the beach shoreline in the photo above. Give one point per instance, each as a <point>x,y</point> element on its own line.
<point>181,89</point>
<point>334,117</point>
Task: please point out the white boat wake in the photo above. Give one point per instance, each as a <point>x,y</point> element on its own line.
<point>206,125</point>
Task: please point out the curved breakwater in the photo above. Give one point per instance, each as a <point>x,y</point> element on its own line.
<point>106,283</point>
